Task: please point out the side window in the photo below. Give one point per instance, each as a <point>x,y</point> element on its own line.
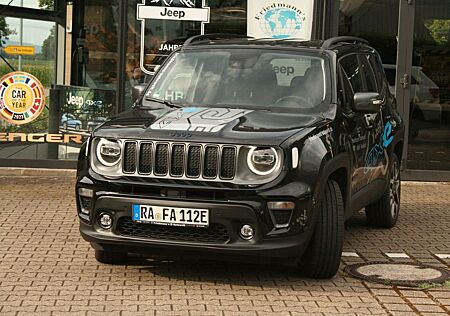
<point>375,61</point>
<point>345,93</point>
<point>353,73</point>
<point>368,74</point>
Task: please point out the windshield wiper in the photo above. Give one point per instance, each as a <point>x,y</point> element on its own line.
<point>165,102</point>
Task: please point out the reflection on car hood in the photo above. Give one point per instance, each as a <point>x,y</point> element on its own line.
<point>201,124</point>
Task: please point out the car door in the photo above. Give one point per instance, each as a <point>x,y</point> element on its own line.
<point>388,120</point>
<point>354,122</point>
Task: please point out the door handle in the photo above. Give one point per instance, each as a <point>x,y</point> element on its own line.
<point>405,81</point>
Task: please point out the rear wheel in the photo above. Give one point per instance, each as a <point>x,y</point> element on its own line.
<point>324,252</point>
<point>384,212</point>
<point>109,257</point>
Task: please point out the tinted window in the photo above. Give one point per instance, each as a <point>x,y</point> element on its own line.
<point>352,71</point>
<point>377,67</point>
<point>368,74</point>
<point>242,78</point>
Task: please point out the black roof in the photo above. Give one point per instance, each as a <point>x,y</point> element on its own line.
<point>257,42</point>
<point>335,43</point>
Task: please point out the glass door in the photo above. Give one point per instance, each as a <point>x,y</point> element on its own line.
<point>429,102</point>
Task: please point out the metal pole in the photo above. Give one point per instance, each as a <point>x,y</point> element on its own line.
<point>20,37</point>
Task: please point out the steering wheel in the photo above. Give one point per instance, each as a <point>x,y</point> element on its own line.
<point>295,98</point>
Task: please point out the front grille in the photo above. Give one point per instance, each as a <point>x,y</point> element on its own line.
<point>185,161</point>
<point>129,158</point>
<point>215,233</point>
<point>177,161</point>
<point>211,162</point>
<point>161,159</point>
<point>145,158</point>
<point>228,163</point>
<point>194,161</point>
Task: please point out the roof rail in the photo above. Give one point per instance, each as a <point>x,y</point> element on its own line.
<point>343,39</point>
<point>212,36</point>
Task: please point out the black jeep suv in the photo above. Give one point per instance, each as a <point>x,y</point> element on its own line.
<point>246,148</point>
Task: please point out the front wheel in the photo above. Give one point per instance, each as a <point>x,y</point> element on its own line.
<point>324,252</point>
<point>383,213</point>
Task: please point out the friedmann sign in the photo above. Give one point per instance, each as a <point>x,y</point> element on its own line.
<point>169,10</point>
<point>280,19</point>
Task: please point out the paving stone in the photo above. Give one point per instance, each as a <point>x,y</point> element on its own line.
<point>47,268</point>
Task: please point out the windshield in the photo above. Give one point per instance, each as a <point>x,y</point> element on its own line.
<point>250,78</point>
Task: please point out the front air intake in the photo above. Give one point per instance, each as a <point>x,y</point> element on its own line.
<point>175,160</point>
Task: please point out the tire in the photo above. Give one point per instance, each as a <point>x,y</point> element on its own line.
<point>383,213</point>
<point>109,257</point>
<point>65,126</point>
<point>324,252</point>
<point>77,127</point>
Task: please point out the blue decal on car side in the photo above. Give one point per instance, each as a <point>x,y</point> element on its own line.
<point>377,150</point>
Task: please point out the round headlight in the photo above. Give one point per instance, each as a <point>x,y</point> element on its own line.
<point>108,152</point>
<point>262,161</point>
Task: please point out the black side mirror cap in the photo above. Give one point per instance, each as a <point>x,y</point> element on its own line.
<point>367,102</point>
<point>137,91</point>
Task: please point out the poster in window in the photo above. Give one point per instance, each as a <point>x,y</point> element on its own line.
<point>280,19</point>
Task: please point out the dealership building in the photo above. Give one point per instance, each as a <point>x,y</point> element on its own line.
<point>85,57</point>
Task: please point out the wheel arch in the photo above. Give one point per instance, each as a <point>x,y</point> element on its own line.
<point>337,168</point>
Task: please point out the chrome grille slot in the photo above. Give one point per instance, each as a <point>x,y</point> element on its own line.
<point>145,158</point>
<point>194,161</point>
<point>228,163</point>
<point>211,161</point>
<point>161,159</point>
<point>129,159</point>
<point>182,161</point>
<point>177,160</point>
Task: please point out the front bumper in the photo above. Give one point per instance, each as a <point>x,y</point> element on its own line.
<point>222,237</point>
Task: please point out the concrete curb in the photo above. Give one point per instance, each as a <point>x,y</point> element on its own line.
<point>36,172</point>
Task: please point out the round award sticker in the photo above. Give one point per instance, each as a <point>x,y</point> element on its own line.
<point>21,98</point>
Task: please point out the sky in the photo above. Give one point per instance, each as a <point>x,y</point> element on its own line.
<point>34,32</point>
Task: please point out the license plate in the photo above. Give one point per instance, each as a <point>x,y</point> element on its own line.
<point>170,216</point>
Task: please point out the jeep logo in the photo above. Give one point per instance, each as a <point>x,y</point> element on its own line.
<point>172,12</point>
<point>286,70</point>
<point>181,135</point>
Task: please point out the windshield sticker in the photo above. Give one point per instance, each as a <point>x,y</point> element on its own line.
<point>193,119</point>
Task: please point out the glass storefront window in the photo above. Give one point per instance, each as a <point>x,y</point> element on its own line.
<point>161,37</point>
<point>362,18</point>
<point>35,33</point>
<point>39,35</point>
<point>429,125</point>
<point>33,4</point>
<point>101,23</point>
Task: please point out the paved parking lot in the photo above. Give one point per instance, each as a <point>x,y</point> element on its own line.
<point>46,268</point>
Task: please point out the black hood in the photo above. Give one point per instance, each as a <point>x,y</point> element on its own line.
<point>218,125</point>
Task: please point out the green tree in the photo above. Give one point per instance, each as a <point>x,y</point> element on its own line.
<point>4,31</point>
<point>440,30</point>
<point>49,46</point>
<point>47,4</point>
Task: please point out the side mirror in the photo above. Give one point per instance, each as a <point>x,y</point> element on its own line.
<point>137,91</point>
<point>367,102</point>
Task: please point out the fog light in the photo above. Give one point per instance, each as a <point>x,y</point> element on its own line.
<point>106,221</point>
<point>247,232</point>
